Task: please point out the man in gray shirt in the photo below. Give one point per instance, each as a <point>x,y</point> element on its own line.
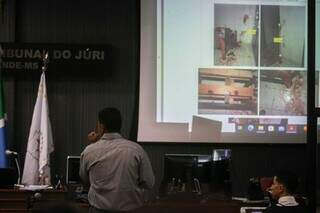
<point>117,169</point>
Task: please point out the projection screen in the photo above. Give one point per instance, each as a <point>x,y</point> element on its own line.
<point>223,71</point>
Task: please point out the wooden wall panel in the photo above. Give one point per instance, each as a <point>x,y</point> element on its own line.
<point>74,101</point>
<point>7,34</point>
<point>7,21</point>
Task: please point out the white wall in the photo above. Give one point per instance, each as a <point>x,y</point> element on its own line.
<point>293,32</point>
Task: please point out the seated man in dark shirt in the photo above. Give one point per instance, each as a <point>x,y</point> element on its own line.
<point>282,189</point>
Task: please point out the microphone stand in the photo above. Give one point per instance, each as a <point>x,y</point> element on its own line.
<point>16,161</point>
<point>18,169</point>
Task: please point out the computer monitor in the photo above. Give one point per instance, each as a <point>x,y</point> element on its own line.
<point>186,167</point>
<point>72,174</point>
<point>221,154</point>
<point>221,168</point>
<point>211,171</point>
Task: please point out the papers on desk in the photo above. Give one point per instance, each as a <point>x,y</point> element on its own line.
<point>246,200</point>
<point>34,187</point>
<point>251,209</point>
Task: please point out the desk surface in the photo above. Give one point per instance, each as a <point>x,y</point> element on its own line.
<point>22,201</point>
<point>13,200</point>
<point>191,203</point>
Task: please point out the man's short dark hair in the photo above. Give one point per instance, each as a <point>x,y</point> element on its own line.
<point>288,179</point>
<point>111,119</point>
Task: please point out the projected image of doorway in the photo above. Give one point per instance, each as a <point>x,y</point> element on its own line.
<point>236,34</point>
<point>282,36</point>
<point>227,91</point>
<point>283,92</point>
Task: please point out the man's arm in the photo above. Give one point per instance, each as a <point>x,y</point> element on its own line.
<point>146,173</point>
<point>83,170</point>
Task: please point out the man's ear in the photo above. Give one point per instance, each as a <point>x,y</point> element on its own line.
<point>282,188</point>
<point>101,128</point>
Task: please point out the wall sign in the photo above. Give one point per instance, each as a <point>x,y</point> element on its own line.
<point>63,58</point>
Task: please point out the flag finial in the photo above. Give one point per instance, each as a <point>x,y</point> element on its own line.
<point>45,62</point>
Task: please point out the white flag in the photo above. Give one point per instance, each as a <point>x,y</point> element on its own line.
<point>40,144</point>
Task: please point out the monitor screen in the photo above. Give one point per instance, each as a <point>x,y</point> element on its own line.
<point>220,168</point>
<point>221,154</point>
<point>239,65</point>
<point>72,174</point>
<point>188,168</point>
<point>179,167</point>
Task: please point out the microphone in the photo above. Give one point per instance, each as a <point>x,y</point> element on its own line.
<point>37,196</point>
<point>10,152</point>
<point>32,199</point>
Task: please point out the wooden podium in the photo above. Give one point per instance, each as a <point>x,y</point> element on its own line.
<point>12,200</point>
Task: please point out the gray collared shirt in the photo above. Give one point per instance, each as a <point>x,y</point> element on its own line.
<point>118,171</point>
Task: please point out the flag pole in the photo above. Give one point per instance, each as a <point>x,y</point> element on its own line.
<point>45,60</point>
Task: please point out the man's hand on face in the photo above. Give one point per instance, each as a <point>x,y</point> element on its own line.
<point>93,137</point>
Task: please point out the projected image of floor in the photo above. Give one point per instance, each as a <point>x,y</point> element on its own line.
<point>241,55</point>
<point>283,93</point>
<point>227,91</point>
<point>235,34</point>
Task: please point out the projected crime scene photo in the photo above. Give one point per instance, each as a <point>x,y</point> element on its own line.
<point>284,92</point>
<point>227,91</point>
<point>282,36</point>
<point>236,34</point>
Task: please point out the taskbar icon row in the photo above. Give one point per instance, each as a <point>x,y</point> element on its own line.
<point>266,126</point>
<point>271,128</point>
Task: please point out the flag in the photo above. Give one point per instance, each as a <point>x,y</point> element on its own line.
<point>3,142</point>
<point>40,143</point>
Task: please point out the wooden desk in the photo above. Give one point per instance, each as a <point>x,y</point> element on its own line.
<point>191,204</point>
<point>12,200</point>
<point>24,201</point>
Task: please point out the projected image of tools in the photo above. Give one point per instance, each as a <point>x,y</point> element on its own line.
<point>227,91</point>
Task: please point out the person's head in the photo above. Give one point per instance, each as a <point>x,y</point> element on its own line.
<point>109,120</point>
<point>284,183</point>
<point>245,18</point>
